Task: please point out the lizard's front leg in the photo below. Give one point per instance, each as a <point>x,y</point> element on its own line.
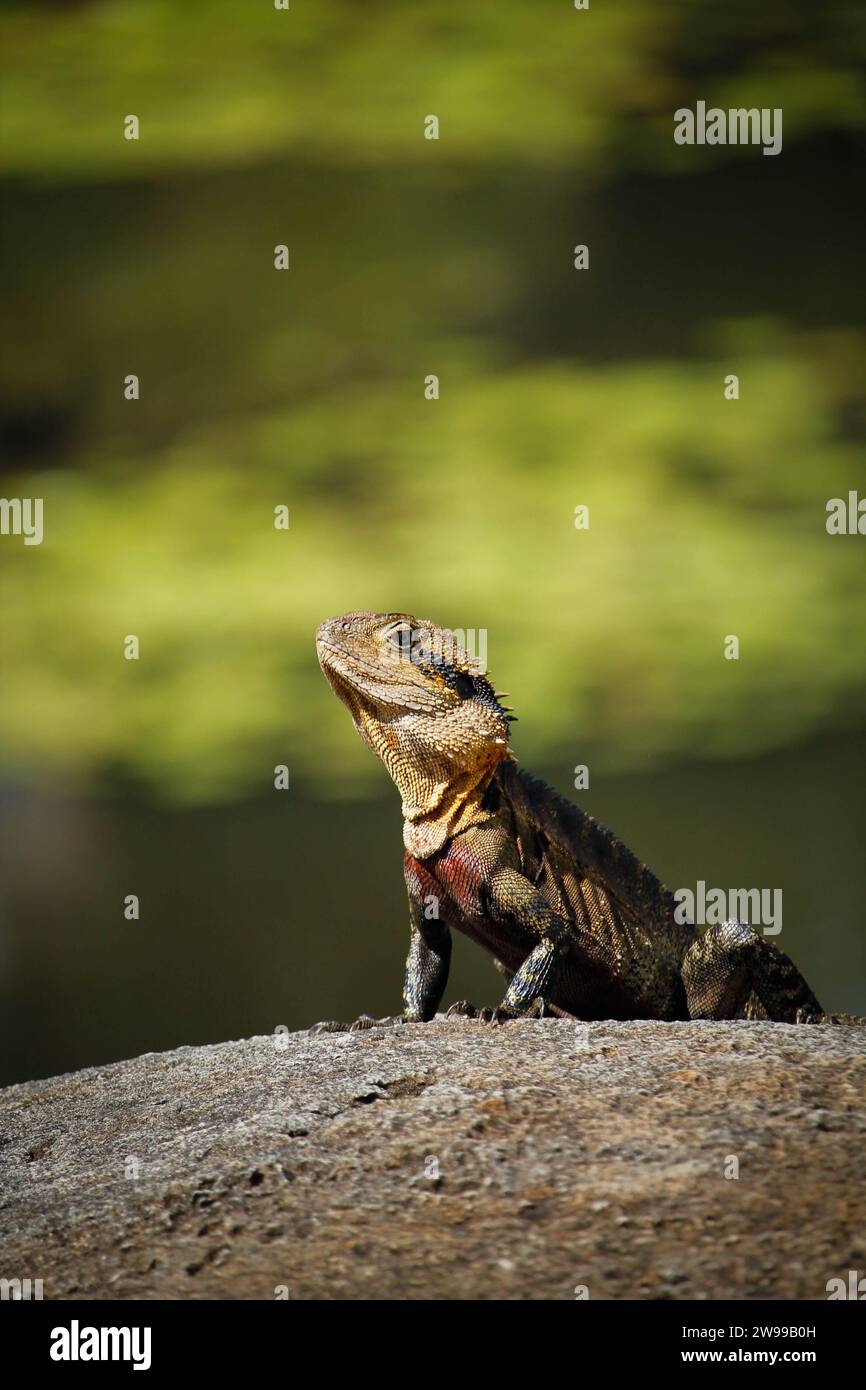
<point>512,899</point>
<point>531,986</point>
<point>427,965</point>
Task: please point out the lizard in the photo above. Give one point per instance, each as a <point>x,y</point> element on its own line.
<point>578,925</point>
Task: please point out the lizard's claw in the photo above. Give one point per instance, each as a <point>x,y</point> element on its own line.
<point>502,1013</point>
<point>364,1022</point>
<point>498,1015</point>
<point>463,1009</point>
<point>359,1026</point>
<point>805,1016</point>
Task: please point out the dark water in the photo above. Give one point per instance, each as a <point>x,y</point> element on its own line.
<point>288,909</point>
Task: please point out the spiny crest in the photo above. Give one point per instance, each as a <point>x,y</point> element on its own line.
<point>389,660</point>
<point>441,654</point>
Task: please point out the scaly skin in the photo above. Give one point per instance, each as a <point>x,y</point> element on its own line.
<point>576,923</point>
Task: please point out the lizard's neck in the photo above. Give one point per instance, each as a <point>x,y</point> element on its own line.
<point>435,810</point>
<point>441,765</point>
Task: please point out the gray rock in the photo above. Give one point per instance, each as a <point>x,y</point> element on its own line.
<point>447,1160</point>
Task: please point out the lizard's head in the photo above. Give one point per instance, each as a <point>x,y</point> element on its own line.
<point>417,698</point>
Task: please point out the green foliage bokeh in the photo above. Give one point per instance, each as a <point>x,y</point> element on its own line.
<point>306,388</point>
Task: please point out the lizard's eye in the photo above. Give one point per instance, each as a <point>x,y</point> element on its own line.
<point>398,634</point>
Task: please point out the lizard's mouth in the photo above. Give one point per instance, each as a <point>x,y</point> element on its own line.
<point>388,684</point>
<point>334,665</point>
<point>355,681</point>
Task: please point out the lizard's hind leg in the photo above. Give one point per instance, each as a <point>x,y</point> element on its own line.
<point>730,969</point>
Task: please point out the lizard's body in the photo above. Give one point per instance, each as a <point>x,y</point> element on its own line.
<point>536,835</point>
<point>574,920</point>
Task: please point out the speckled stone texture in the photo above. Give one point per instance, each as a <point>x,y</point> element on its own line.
<point>447,1160</point>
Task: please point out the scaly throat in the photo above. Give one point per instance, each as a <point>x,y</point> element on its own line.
<point>441,764</point>
<point>433,812</point>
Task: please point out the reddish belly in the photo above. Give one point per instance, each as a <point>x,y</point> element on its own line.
<point>456,878</point>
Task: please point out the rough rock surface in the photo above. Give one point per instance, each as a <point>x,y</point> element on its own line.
<point>448,1160</point>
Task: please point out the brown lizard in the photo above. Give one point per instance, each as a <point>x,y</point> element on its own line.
<point>575,921</point>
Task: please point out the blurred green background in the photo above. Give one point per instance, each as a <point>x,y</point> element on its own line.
<point>306,388</point>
